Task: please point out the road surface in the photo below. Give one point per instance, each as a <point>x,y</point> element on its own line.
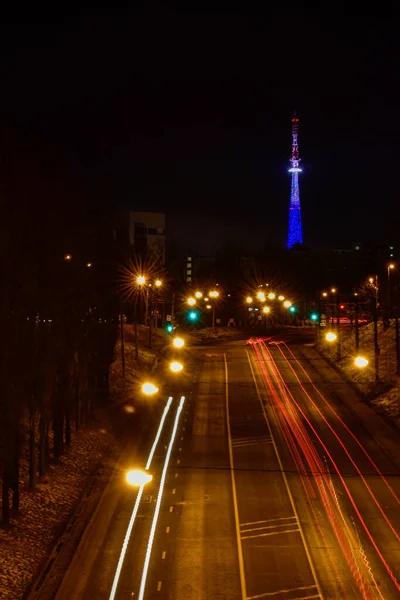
<point>274,488</point>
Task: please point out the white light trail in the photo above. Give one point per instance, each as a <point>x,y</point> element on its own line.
<point>137,502</point>
<point>158,503</point>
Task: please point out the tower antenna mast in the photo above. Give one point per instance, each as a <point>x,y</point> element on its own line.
<point>295,232</point>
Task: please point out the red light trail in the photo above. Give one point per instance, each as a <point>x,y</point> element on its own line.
<point>314,474</point>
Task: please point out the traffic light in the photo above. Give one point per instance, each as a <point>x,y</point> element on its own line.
<point>314,316</point>
<point>293,309</point>
<point>169,328</point>
<point>193,315</point>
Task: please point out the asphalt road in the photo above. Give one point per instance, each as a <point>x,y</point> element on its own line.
<point>275,488</point>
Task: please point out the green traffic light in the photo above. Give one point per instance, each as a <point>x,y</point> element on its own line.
<point>193,315</point>
<point>169,328</point>
<point>292,309</point>
<point>314,317</point>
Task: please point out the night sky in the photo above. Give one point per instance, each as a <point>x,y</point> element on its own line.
<point>189,113</point>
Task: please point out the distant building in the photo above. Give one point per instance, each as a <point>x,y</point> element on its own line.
<point>196,268</point>
<point>143,231</point>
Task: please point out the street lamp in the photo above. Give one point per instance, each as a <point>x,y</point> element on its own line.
<point>266,309</point>
<point>198,294</point>
<point>158,283</point>
<point>287,304</point>
<point>361,362</point>
<point>140,280</point>
<point>261,296</point>
<point>271,296</point>
<point>175,367</point>
<point>330,336</point>
<point>249,299</point>
<point>390,268</point>
<point>213,294</point>
<point>191,301</point>
<point>137,477</point>
<point>281,298</point>
<point>149,389</point>
<point>178,342</point>
<point>67,257</point>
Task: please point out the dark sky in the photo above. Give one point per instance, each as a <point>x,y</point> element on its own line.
<point>189,113</point>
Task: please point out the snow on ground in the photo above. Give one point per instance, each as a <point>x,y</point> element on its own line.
<point>26,543</point>
<point>210,334</point>
<point>385,395</point>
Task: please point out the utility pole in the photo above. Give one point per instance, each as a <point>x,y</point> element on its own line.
<point>136,328</point>
<point>338,327</point>
<point>122,343</point>
<point>357,329</point>
<point>376,344</point>
<point>397,341</point>
<point>149,299</point>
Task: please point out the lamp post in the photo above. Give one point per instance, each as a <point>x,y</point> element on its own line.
<point>375,313</point>
<point>214,295</point>
<point>357,332</point>
<point>122,342</point>
<point>390,268</point>
<point>335,301</point>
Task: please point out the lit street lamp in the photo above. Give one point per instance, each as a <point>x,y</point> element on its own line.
<point>361,362</point>
<point>175,367</point>
<point>287,304</point>
<point>271,296</point>
<point>390,268</point>
<point>330,336</point>
<point>198,295</point>
<point>261,296</point>
<point>266,309</point>
<point>213,294</point>
<point>191,301</point>
<point>178,342</point>
<point>149,389</point>
<point>137,477</point>
<point>249,299</point>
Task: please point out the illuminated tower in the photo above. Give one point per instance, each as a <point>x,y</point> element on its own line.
<point>295,233</point>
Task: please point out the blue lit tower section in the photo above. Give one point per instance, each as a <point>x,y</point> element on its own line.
<point>295,233</point>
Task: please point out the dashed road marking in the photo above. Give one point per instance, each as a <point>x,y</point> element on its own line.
<point>159,584</point>
<point>267,594</point>
<point>176,474</point>
<point>171,509</point>
<point>163,555</point>
<point>167,530</point>
<point>178,461</point>
<point>173,491</point>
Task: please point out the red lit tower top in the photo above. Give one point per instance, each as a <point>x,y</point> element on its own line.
<point>295,160</point>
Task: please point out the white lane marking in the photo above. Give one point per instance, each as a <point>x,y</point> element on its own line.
<point>266,521</point>
<point>163,555</point>
<point>171,509</point>
<point>235,505</point>
<point>174,491</point>
<point>158,503</point>
<point>248,537</point>
<point>159,584</point>
<point>303,539</point>
<point>305,587</point>
<point>178,461</point>
<point>167,529</point>
<point>180,449</point>
<point>268,527</point>
<point>181,438</point>
<point>176,474</point>
<point>136,505</point>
